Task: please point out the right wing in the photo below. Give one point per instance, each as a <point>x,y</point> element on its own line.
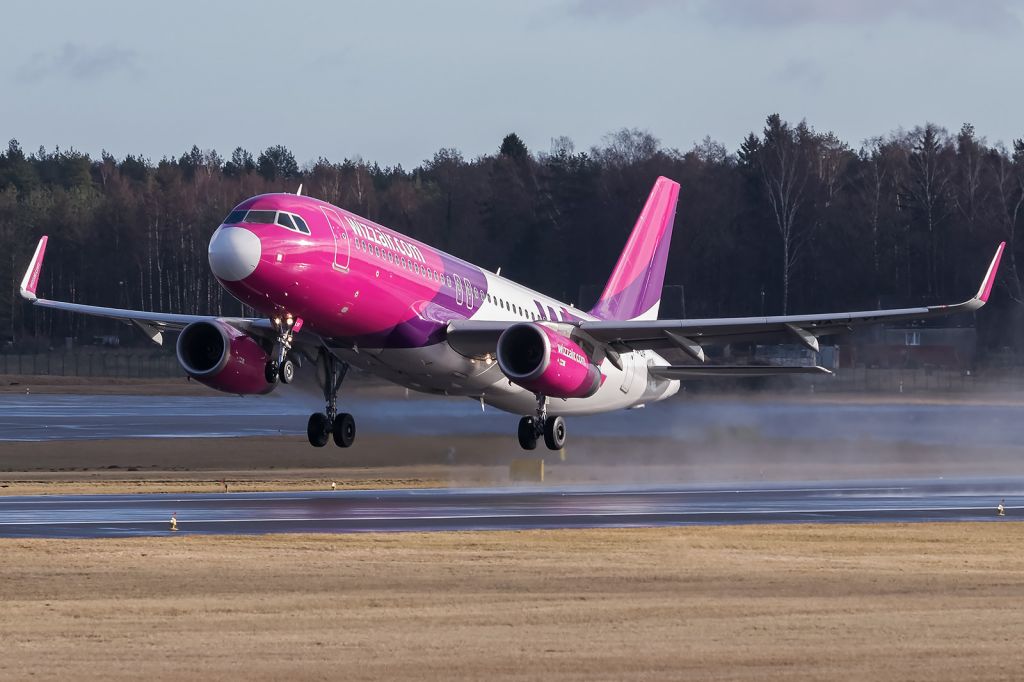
<point>473,337</point>
<point>152,324</point>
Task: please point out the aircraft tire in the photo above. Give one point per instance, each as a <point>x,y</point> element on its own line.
<point>554,433</point>
<point>527,434</point>
<point>318,430</point>
<point>287,371</point>
<point>271,373</point>
<point>344,430</point>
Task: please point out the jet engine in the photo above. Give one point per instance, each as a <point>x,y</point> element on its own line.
<point>222,357</point>
<point>544,361</point>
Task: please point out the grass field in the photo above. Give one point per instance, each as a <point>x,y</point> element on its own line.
<point>871,602</point>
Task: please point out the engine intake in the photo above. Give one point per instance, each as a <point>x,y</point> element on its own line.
<point>544,361</point>
<point>222,357</point>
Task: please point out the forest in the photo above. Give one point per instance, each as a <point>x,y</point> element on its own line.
<point>793,220</point>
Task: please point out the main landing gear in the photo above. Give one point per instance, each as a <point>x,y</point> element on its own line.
<point>531,429</point>
<point>281,366</point>
<point>322,426</point>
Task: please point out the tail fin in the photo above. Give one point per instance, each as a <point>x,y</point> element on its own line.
<point>633,292</point>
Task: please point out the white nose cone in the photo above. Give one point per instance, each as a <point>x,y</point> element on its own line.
<point>234,253</point>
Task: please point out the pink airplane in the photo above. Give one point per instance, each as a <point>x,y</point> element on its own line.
<point>339,290</point>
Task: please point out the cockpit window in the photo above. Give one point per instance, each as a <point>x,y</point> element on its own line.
<point>285,220</point>
<point>301,224</point>
<point>234,217</point>
<point>261,217</point>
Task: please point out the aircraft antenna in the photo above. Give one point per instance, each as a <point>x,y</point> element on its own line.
<point>298,192</point>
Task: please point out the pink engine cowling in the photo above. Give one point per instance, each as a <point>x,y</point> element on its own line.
<point>543,361</point>
<point>222,357</point>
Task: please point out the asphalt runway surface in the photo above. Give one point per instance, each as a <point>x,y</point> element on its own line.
<point>45,417</point>
<point>96,516</point>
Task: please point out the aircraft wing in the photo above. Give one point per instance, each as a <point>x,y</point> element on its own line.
<point>152,324</point>
<point>691,336</point>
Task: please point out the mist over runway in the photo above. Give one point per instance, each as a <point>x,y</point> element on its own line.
<point>95,516</point>
<point>44,417</point>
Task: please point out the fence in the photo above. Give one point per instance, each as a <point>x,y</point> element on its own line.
<point>862,380</point>
<point>113,364</point>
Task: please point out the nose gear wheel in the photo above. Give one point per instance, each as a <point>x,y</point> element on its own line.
<point>281,367</point>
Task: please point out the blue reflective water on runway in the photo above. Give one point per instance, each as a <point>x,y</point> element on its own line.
<point>53,417</point>
<point>93,516</point>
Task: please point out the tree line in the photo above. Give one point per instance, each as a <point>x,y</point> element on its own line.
<point>794,220</point>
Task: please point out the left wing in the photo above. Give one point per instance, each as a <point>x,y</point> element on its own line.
<point>476,338</point>
<point>152,324</point>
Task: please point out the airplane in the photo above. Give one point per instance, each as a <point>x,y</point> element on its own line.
<point>341,291</point>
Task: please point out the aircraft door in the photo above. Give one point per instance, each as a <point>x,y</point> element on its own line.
<point>459,294</point>
<point>342,242</point>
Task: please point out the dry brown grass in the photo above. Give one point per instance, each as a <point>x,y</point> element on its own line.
<point>878,602</point>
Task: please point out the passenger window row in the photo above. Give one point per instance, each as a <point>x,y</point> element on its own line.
<point>402,261</point>
<point>512,307</point>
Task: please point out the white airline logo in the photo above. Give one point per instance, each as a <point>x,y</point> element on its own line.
<point>372,234</point>
<point>571,354</point>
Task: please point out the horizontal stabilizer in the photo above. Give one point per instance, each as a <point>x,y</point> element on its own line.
<point>731,371</point>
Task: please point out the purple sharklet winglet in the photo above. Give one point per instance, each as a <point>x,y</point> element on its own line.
<point>633,291</point>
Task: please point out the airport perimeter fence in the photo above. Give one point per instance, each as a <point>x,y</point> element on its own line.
<point>111,365</point>
<point>895,381</point>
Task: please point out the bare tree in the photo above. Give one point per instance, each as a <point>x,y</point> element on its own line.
<point>783,166</point>
<point>970,192</point>
<point>928,188</point>
<point>1009,189</point>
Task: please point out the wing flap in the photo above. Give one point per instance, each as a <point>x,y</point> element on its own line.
<point>731,371</point>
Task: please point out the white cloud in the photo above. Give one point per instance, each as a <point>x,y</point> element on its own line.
<point>979,15</point>
<point>79,62</point>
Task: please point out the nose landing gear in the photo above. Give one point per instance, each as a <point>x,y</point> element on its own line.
<point>552,429</point>
<point>322,426</point>
<point>281,367</point>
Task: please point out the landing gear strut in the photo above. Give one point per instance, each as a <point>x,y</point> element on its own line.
<point>531,429</point>
<point>281,367</point>
<point>322,426</point>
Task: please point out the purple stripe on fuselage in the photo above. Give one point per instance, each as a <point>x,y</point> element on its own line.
<point>428,320</point>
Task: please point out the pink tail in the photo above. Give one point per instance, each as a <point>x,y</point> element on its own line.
<point>633,292</point>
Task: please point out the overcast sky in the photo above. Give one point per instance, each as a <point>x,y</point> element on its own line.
<point>394,81</point>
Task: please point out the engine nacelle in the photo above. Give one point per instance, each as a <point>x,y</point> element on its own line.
<point>222,357</point>
<point>543,361</point>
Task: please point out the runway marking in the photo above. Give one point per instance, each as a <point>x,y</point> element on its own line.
<point>449,517</point>
<point>732,492</point>
<point>233,497</point>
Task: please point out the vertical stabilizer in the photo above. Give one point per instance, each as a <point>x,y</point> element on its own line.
<point>633,292</point>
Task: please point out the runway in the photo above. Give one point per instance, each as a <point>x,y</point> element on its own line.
<point>76,417</point>
<point>451,509</point>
